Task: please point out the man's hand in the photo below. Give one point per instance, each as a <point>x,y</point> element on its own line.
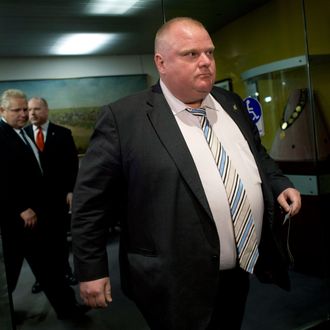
<point>29,217</point>
<point>97,293</point>
<point>290,201</point>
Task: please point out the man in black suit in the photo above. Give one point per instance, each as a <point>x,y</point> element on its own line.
<point>59,158</point>
<point>24,210</point>
<point>148,157</point>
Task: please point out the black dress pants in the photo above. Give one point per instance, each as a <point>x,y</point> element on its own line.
<point>46,265</point>
<point>230,301</point>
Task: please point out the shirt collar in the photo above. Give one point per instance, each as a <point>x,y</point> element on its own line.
<point>44,126</point>
<point>178,106</point>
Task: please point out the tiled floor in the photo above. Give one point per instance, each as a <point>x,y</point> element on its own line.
<point>268,308</point>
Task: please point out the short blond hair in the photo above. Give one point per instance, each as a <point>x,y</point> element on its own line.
<point>8,94</point>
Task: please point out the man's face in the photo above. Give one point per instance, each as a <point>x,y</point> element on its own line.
<point>17,113</point>
<point>38,112</point>
<point>186,63</point>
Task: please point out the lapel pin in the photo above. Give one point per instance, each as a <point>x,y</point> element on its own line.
<point>235,107</point>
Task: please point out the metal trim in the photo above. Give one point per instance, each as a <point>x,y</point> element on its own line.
<point>288,63</point>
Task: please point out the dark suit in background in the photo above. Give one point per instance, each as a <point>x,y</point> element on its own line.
<point>22,187</point>
<point>59,161</point>
<point>24,210</point>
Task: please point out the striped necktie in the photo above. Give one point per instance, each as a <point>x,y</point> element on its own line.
<point>244,229</point>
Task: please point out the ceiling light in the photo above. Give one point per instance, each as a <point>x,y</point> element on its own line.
<point>82,43</point>
<point>110,7</point>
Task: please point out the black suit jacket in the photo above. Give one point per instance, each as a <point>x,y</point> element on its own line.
<point>139,162</point>
<point>21,180</point>
<point>59,161</point>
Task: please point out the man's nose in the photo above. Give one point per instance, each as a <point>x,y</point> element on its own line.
<point>205,59</point>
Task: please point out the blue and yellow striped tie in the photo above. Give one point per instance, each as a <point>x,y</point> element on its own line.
<point>244,229</point>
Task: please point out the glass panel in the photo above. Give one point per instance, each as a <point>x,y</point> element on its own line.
<point>319,74</point>
<point>282,59</point>
<point>287,112</point>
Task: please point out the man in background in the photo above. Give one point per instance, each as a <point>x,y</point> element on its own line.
<point>59,159</point>
<point>24,210</point>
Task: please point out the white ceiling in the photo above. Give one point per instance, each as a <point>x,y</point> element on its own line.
<point>32,27</point>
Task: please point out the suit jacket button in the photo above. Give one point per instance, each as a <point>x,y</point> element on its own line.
<point>215,257</point>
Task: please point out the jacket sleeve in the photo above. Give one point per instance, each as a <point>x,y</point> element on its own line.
<point>96,185</point>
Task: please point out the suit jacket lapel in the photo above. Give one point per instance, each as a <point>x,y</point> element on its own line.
<point>29,132</point>
<point>15,139</point>
<point>169,133</point>
<point>50,135</point>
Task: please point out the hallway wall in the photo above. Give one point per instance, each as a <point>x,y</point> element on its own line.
<point>76,67</point>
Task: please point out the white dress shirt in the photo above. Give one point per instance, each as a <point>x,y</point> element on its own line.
<point>241,157</point>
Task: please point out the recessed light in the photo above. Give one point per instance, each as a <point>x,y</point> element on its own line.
<point>82,43</point>
<point>110,7</point>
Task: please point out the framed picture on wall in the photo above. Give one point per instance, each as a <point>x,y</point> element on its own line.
<point>225,84</point>
<point>76,102</point>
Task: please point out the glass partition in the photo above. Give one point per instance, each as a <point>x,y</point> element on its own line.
<point>282,60</point>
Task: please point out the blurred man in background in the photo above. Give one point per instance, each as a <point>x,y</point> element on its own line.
<point>58,155</point>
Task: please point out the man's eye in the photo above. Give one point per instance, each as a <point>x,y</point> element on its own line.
<point>210,53</point>
<point>19,109</point>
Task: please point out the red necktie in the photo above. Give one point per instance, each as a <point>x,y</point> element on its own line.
<point>40,139</point>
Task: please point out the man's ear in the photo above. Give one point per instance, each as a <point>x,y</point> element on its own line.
<point>159,61</point>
